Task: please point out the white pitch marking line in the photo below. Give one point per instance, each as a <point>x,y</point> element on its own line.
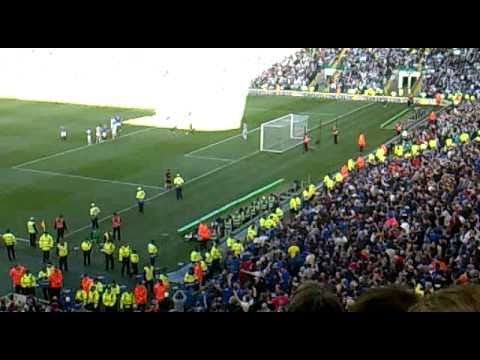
<point>52,173</point>
<point>220,142</point>
<point>208,158</point>
<point>79,148</point>
<point>200,176</point>
<point>165,192</point>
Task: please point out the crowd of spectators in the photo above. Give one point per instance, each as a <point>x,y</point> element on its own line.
<point>371,68</point>
<point>410,221</point>
<point>452,70</point>
<point>297,71</point>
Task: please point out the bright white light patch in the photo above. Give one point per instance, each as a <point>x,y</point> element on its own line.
<point>209,84</point>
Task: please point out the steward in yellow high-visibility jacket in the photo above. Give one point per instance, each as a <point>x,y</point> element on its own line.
<point>251,233</point>
<point>45,243</point>
<point>126,301</point>
<point>279,212</point>
<point>109,299</point>
<point>338,178</point>
<point>140,196</point>
<point>350,165</point>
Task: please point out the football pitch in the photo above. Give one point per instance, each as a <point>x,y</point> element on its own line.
<point>42,176</point>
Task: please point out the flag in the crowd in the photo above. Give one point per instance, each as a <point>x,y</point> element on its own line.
<point>43,225</point>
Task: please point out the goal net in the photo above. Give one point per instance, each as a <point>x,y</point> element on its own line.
<point>284,133</point>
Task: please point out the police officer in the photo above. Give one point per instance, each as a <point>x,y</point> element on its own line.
<point>178,182</point>
<point>45,243</point>
<point>124,258</point>
<point>62,252</point>
<point>108,249</point>
<point>126,300</point>
<point>86,247</point>
<point>94,212</point>
<point>149,274</point>
<point>134,260</point>
<point>28,283</point>
<point>32,232</point>
<point>140,196</point>
<point>152,251</point>
<point>10,242</point>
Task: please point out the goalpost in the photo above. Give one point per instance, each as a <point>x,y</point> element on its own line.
<point>284,133</point>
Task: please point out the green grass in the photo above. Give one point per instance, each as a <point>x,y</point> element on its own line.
<point>215,175</point>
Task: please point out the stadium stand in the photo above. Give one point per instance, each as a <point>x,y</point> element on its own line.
<point>297,71</point>
<point>450,71</point>
<point>371,68</point>
<point>407,220</point>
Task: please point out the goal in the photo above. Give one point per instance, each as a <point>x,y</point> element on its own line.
<point>284,133</point>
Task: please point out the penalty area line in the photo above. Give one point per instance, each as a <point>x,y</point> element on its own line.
<point>213,171</point>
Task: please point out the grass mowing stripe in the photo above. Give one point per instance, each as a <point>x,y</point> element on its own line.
<point>395,117</point>
<point>230,205</point>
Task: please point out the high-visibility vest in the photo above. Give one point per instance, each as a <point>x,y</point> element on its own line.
<point>188,278</point>
<point>126,300</point>
<point>152,249</point>
<point>279,212</point>
<point>31,227</point>
<point>45,243</point>
<point>86,245</point>
<point>415,149</point>
<point>124,252</point>
<point>109,298</point>
<point>94,211</point>
<point>338,177</point>
<point>27,281</point>
<point>9,239</point>
<point>149,273</point>
<point>432,144</point>
<point>293,204</point>
<point>140,195</point>
<point>449,143</point>
<point>62,249</point>
<point>371,158</point>
<point>215,252</point>
<point>108,248</point>
<point>134,258</point>
<point>81,296</point>
<point>93,298</point>
<point>423,146</point>
<point>178,181</point>
<point>350,165</point>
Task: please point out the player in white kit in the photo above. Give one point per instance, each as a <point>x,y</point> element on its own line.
<point>114,128</point>
<point>63,133</point>
<point>98,134</point>
<point>89,136</point>
<point>245,132</point>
